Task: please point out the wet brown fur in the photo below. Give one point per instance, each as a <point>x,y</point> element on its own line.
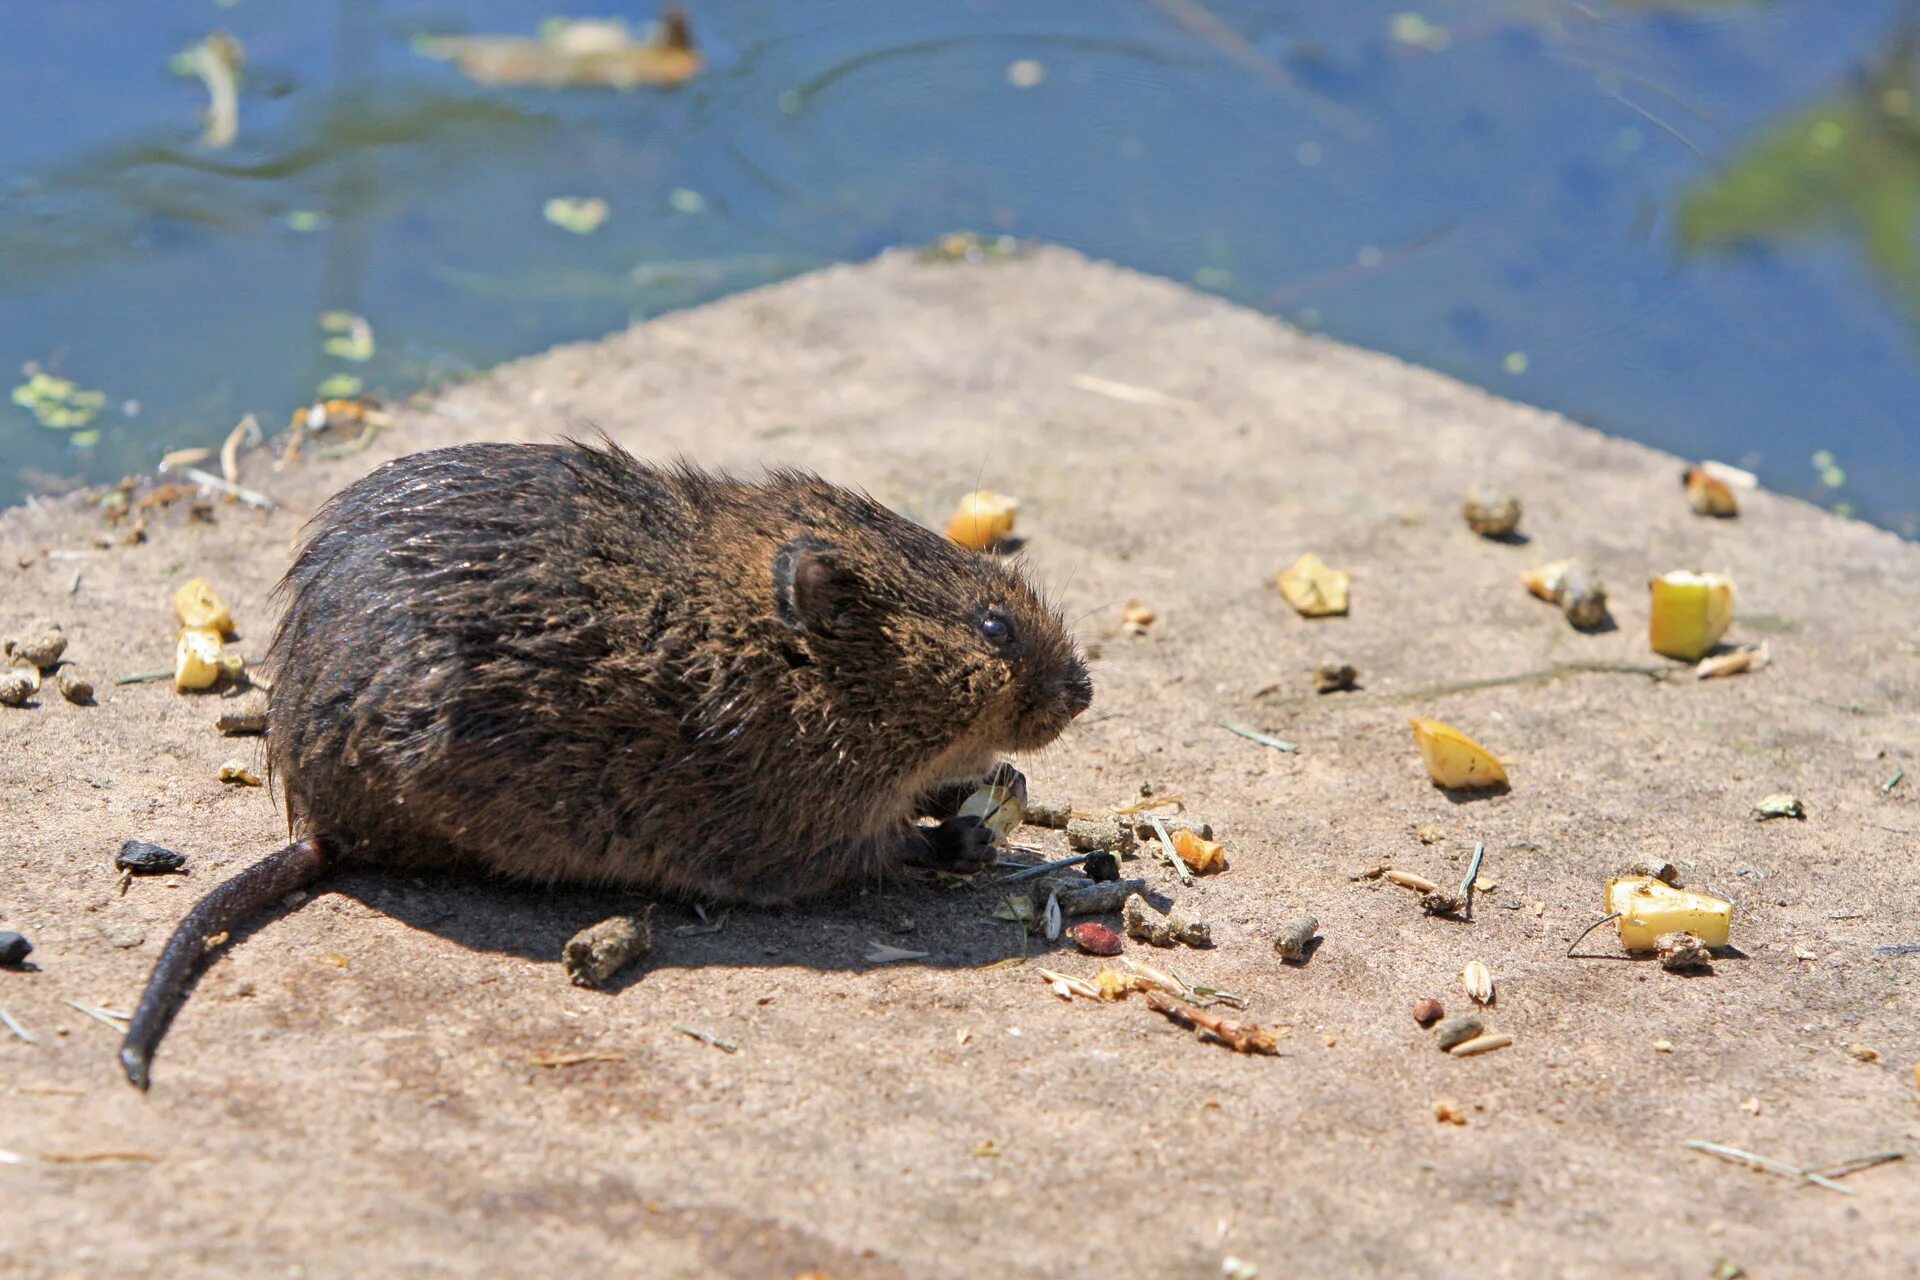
<point>558,664</point>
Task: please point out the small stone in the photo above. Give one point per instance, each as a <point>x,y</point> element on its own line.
<point>14,949</point>
<point>1442,903</point>
<point>39,646</point>
<point>75,688</point>
<point>1864,1052</point>
<point>1428,1011</point>
<point>1149,926</point>
<point>1103,834</point>
<point>17,686</point>
<point>1334,677</point>
<point>1780,805</point>
<point>597,953</point>
<point>1458,1029</point>
<point>123,936</point>
<point>144,858</point>
<point>1681,952</point>
<point>1752,1105</point>
<point>1101,868</point>
<point>1663,1046</point>
<point>1292,941</point>
<point>1447,1111</point>
<point>1491,514</point>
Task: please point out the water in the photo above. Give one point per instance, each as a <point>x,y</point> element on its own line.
<point>1695,223</point>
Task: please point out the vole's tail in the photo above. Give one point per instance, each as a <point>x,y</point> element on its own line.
<point>254,889</point>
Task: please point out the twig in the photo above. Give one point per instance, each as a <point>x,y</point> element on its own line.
<point>1558,671</point>
<point>1028,873</point>
<point>1765,1165</point>
<point>707,1037</point>
<point>1128,393</point>
<point>1473,873</point>
<point>6,1020</point>
<point>207,480</point>
<point>1254,735</point>
<point>1589,929</point>
<point>1886,788</point>
<point>118,1021</point>
<point>1166,846</point>
<point>73,587</point>
<point>145,677</point>
<point>1841,1168</point>
<point>248,432</point>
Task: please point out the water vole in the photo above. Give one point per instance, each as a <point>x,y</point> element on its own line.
<point>558,664</point>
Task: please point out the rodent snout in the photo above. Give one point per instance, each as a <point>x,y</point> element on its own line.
<point>1077,689</point>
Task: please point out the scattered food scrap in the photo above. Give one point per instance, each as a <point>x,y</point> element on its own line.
<point>1455,761</point>
<point>1135,618</point>
<point>881,953</point>
<point>1574,587</point>
<point>1491,513</point>
<point>199,660</point>
<point>1691,611</point>
<point>1708,494</point>
<point>575,53</point>
<point>239,773</point>
<point>1096,939</point>
<point>999,803</point>
<point>1447,1111</point>
<point>983,520</point>
<point>1647,908</point>
<point>1314,590</point>
<point>1479,1045</point>
<point>1753,657</point>
<point>1779,805</point>
<point>1478,982</point>
<point>249,721</point>
<point>196,604</point>
<point>1201,856</point>
<point>1428,1011</point>
<point>1243,1037</point>
<point>598,952</point>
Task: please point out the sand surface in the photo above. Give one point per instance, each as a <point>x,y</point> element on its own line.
<point>352,1090</point>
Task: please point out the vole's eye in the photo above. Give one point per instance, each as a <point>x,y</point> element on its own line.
<point>999,630</point>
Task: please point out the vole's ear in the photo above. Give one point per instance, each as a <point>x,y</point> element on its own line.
<point>812,589</point>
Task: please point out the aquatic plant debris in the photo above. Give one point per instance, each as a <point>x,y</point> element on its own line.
<point>353,336</point>
<point>217,61</point>
<point>57,403</point>
<point>574,53</point>
<point>582,215</point>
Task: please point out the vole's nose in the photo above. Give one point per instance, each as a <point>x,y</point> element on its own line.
<point>1077,689</point>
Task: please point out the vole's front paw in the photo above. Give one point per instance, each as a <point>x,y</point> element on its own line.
<point>961,846</point>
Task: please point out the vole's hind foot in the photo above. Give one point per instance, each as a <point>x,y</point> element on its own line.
<point>958,846</point>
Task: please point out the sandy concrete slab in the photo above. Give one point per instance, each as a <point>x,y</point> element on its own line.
<point>353,1087</point>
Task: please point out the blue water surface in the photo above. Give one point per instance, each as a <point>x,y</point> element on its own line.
<point>1696,224</point>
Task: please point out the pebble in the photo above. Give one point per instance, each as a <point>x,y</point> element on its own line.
<point>1458,1029</point>
<point>124,936</point>
<point>14,949</point>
